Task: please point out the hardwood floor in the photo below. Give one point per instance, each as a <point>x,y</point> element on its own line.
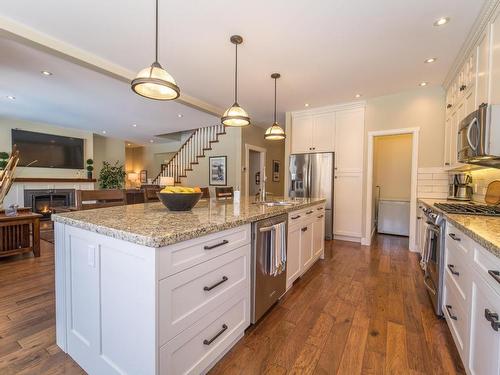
<point>363,310</point>
<point>360,311</point>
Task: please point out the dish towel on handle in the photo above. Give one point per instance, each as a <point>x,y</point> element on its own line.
<point>278,249</point>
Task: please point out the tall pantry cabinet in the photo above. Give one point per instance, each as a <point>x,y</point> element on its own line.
<point>339,129</point>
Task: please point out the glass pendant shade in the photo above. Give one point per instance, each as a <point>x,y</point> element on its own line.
<point>155,83</point>
<point>275,133</point>
<point>235,116</point>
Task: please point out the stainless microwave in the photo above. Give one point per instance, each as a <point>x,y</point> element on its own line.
<point>479,137</point>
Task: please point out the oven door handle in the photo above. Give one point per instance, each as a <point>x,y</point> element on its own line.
<point>469,129</point>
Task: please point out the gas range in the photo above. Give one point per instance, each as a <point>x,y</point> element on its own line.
<point>469,209</point>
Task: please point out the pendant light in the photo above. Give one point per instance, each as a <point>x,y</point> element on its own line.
<point>154,82</point>
<point>275,132</point>
<point>235,115</point>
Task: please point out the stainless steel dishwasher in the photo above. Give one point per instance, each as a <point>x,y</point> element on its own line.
<point>266,289</point>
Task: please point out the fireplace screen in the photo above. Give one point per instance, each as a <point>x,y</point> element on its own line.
<point>46,201</point>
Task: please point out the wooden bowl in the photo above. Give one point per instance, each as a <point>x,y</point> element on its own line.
<point>178,201</point>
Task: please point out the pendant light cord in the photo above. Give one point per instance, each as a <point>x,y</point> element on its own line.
<point>156,42</point>
<point>236,76</point>
<point>275,107</point>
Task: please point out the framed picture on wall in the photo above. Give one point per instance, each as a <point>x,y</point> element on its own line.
<point>143,176</point>
<point>217,173</point>
<point>276,170</point>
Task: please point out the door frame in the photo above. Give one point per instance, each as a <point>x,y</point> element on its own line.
<point>369,229</point>
<point>262,151</point>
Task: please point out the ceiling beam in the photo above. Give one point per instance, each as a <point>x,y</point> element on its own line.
<point>28,36</point>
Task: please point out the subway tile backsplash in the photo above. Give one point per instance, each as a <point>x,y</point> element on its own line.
<point>480,180</point>
<point>432,183</point>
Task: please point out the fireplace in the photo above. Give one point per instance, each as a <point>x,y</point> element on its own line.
<point>42,201</point>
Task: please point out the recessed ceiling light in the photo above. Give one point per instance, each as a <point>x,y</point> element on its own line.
<point>46,73</point>
<point>430,60</point>
<point>11,97</point>
<point>134,125</point>
<point>357,95</point>
<point>151,141</point>
<point>442,21</point>
<point>306,105</point>
<point>422,84</point>
<point>104,132</point>
<point>180,115</point>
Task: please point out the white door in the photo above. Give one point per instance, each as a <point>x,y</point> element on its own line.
<point>293,269</point>
<point>323,132</point>
<point>347,208</point>
<point>484,339</point>
<point>306,246</point>
<point>349,136</point>
<point>302,134</point>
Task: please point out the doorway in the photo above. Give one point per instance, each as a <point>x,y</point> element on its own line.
<point>255,169</point>
<point>392,184</point>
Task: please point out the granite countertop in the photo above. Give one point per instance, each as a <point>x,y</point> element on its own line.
<point>153,225</point>
<point>485,230</point>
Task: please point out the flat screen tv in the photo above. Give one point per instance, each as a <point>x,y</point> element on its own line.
<point>49,151</point>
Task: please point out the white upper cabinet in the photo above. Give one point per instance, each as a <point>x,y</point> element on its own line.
<point>350,132</point>
<point>483,55</point>
<point>495,61</point>
<point>313,133</point>
<point>302,138</point>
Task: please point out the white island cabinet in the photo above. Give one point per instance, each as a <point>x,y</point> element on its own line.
<point>124,308</point>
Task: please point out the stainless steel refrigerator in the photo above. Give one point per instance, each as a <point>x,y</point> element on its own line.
<point>311,176</point>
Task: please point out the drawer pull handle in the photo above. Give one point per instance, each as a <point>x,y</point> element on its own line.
<point>448,307</point>
<point>225,242</point>
<point>492,318</point>
<point>208,342</point>
<point>309,212</point>
<point>454,237</point>
<point>495,275</point>
<point>451,267</point>
<point>320,216</point>
<point>319,208</point>
<point>304,229</point>
<point>208,288</point>
<point>295,217</point>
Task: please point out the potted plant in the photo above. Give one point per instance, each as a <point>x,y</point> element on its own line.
<point>90,168</point>
<point>112,176</point>
<point>4,157</point>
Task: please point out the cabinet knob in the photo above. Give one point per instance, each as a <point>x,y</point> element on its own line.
<point>446,163</point>
<point>449,106</point>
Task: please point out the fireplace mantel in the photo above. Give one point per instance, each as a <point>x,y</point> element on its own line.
<point>43,179</point>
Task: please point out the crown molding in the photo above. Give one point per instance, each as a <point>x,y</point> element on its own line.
<point>33,38</point>
<point>487,12</point>
<point>330,108</point>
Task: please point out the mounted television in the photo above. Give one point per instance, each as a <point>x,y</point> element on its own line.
<point>50,151</point>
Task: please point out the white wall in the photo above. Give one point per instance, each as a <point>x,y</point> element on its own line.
<point>107,149</point>
<point>7,124</point>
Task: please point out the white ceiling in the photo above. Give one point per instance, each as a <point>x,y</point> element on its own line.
<point>326,51</point>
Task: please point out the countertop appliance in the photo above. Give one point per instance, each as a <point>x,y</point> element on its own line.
<point>479,137</point>
<point>267,288</point>
<point>468,209</point>
<point>432,261</point>
<point>459,187</point>
<point>311,176</point>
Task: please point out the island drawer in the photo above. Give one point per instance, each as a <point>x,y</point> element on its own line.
<point>178,257</point>
<point>299,217</point>
<point>188,296</point>
<point>455,313</point>
<point>195,349</point>
<point>457,273</point>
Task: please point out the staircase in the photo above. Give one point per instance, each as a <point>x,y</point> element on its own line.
<point>193,149</point>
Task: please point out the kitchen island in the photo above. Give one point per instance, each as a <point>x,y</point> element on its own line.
<point>142,290</point>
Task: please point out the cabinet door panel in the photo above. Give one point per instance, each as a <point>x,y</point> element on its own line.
<point>483,54</point>
<point>495,62</point>
<point>349,137</point>
<point>348,210</point>
<point>447,141</point>
<point>306,253</point>
<point>323,132</point>
<point>293,265</point>
<point>318,235</point>
<point>302,130</point>
<point>484,340</point>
